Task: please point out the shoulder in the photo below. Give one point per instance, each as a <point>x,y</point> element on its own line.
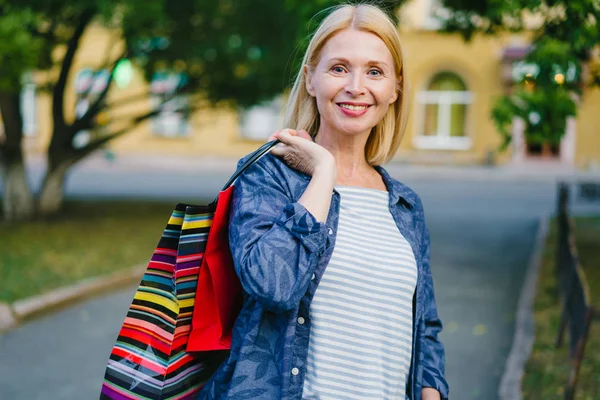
<point>403,191</point>
<point>273,167</point>
<point>270,172</point>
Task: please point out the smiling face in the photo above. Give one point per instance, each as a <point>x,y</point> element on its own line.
<point>354,82</point>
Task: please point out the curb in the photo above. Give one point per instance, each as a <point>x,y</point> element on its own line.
<point>22,310</point>
<point>510,385</point>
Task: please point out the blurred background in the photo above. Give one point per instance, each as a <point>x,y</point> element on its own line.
<point>111,111</point>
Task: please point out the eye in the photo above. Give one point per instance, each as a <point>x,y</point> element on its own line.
<point>375,72</point>
<point>338,69</point>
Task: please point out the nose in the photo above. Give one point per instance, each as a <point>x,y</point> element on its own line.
<point>355,85</point>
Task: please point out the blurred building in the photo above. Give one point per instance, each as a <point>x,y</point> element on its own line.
<point>453,87</point>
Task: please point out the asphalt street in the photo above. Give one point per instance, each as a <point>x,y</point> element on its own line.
<point>482,237</point>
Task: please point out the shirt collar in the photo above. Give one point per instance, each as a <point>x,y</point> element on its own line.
<point>398,191</point>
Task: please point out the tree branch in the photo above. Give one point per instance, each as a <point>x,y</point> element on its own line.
<point>144,96</point>
<point>96,144</point>
<point>85,121</point>
<point>197,105</point>
<point>61,83</point>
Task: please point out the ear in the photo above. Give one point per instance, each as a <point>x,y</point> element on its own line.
<point>394,96</point>
<point>308,79</point>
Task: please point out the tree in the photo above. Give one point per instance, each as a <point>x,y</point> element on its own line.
<point>231,52</point>
<point>18,53</point>
<point>563,58</point>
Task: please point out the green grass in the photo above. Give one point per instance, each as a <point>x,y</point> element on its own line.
<point>89,238</point>
<point>547,371</point>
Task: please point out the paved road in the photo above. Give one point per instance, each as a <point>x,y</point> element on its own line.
<point>482,237</point>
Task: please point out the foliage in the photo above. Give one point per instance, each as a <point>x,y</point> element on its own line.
<point>18,47</point>
<point>544,114</point>
<point>237,51</point>
<point>566,37</point>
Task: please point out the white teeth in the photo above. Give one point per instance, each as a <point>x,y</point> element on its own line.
<point>353,108</point>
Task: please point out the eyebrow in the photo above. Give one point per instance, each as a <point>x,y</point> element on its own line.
<point>345,60</point>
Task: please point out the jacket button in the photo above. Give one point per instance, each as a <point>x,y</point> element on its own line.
<point>330,231</point>
<point>301,320</point>
<point>295,371</point>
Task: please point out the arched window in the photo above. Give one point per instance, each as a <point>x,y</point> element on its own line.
<point>172,119</point>
<point>444,104</point>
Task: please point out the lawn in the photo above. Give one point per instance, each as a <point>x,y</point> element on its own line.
<point>89,238</point>
<point>547,371</point>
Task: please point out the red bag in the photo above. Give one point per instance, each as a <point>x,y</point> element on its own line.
<point>218,295</point>
<point>219,292</point>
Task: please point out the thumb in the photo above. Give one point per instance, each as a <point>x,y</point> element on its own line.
<point>303,134</point>
<point>285,135</point>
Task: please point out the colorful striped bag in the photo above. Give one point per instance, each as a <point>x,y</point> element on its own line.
<point>188,300</point>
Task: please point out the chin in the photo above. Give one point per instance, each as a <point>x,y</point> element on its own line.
<point>355,129</point>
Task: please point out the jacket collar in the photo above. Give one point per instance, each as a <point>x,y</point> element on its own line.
<point>398,191</point>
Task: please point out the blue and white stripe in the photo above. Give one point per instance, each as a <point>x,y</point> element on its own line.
<point>361,314</point>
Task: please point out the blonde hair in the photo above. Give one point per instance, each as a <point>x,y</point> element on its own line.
<point>301,110</point>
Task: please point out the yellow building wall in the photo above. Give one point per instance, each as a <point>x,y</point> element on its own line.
<point>587,141</point>
<point>478,64</point>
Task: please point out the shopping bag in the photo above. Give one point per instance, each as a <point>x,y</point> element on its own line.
<point>219,292</point>
<point>190,280</point>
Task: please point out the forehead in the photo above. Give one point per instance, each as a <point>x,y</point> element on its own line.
<point>356,45</point>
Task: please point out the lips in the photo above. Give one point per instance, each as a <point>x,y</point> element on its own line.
<point>353,109</point>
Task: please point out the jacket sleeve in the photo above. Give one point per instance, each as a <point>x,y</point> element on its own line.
<point>434,357</point>
<point>275,242</point>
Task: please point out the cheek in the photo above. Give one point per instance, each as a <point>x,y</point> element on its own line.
<point>325,95</point>
<point>385,95</point>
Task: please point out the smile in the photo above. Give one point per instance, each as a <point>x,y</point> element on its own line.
<point>353,110</point>
<point>353,107</point>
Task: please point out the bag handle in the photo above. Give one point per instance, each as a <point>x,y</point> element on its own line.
<point>254,157</point>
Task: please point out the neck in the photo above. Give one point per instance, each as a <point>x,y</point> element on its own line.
<point>349,153</point>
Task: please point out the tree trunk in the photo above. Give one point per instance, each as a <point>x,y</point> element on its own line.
<point>17,200</point>
<point>61,155</point>
<point>52,193</point>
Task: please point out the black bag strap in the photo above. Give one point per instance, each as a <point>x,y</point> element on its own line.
<point>254,157</point>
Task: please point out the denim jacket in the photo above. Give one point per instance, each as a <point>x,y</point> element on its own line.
<point>280,253</point>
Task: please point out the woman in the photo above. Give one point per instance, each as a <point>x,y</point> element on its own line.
<point>332,253</point>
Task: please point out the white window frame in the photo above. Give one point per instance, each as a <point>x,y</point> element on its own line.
<point>159,124</point>
<point>29,106</point>
<point>262,120</point>
<point>442,139</point>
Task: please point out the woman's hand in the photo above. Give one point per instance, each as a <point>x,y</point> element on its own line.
<point>299,152</point>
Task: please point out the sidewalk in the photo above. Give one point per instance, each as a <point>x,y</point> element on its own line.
<point>532,171</point>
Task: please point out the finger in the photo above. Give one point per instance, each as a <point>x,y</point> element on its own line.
<point>285,135</point>
<point>279,149</point>
<point>303,134</point>
<point>274,135</point>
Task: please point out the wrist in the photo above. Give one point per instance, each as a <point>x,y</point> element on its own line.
<point>430,394</point>
<point>326,170</point>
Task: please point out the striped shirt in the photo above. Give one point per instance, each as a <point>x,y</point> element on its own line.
<point>361,314</point>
